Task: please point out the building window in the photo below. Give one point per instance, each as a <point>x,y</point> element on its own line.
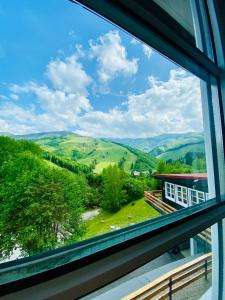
<point>170,191</point>
<point>181,193</point>
<point>196,197</point>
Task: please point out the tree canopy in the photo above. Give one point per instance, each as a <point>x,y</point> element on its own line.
<point>40,207</point>
<point>113,194</point>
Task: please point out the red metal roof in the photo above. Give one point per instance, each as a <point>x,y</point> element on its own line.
<point>192,176</point>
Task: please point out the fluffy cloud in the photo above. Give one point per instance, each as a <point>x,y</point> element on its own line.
<point>68,76</point>
<point>18,120</point>
<point>147,51</point>
<point>165,106</point>
<point>63,104</point>
<point>112,58</point>
<point>170,106</point>
<point>59,107</point>
<point>56,102</point>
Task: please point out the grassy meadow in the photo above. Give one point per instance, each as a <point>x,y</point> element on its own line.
<point>134,212</point>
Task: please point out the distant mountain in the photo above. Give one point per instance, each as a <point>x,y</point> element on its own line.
<point>92,151</point>
<point>6,134</point>
<point>148,144</point>
<point>139,154</point>
<point>185,149</point>
<point>171,147</point>
<point>42,135</point>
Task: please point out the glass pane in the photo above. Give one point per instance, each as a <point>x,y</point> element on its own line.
<point>184,272</point>
<point>180,11</point>
<point>98,131</point>
<point>190,15</point>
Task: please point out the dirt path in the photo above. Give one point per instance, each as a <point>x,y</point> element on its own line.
<point>90,214</point>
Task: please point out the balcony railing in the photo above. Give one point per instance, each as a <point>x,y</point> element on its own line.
<point>170,283</point>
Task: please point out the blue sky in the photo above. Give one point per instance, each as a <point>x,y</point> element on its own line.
<point>64,68</point>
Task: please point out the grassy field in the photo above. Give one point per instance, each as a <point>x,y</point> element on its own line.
<point>126,216</point>
<point>87,150</point>
<point>179,152</point>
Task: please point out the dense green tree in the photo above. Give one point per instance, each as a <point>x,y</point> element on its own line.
<point>121,162</point>
<point>113,194</point>
<point>68,164</point>
<point>10,147</point>
<point>172,168</point>
<point>134,188</point>
<point>199,165</point>
<point>40,207</point>
<point>93,198</point>
<point>189,156</point>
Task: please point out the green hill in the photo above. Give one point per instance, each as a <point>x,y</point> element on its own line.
<point>90,151</point>
<point>191,145</point>
<point>179,152</point>
<point>153,143</point>
<point>144,161</point>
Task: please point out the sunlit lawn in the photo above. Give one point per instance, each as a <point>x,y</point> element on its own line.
<point>128,215</point>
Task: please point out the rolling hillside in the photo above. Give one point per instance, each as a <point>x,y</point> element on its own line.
<point>161,142</point>
<point>92,151</point>
<point>178,149</point>
<point>132,154</point>
<point>178,152</point>
<point>170,146</point>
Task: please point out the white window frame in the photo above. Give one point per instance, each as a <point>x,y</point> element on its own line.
<point>170,191</point>
<point>199,195</point>
<point>181,195</point>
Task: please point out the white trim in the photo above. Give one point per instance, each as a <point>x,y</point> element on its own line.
<point>170,191</point>
<point>184,196</point>
<point>198,196</point>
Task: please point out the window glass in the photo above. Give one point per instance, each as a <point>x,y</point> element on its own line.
<point>180,11</point>
<point>98,131</point>
<point>183,272</point>
<point>191,16</point>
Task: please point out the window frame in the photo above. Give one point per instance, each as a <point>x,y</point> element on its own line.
<point>136,18</point>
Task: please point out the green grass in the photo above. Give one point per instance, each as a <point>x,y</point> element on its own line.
<point>178,153</point>
<point>139,212</point>
<point>90,149</point>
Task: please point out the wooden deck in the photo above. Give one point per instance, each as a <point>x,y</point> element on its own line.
<point>170,283</point>
<point>154,198</point>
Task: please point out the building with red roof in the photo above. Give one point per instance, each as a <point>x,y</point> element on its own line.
<point>183,190</point>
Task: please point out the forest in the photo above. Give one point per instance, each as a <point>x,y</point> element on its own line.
<point>43,196</point>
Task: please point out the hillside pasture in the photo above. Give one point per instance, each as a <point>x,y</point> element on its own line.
<point>132,213</point>
<point>89,151</point>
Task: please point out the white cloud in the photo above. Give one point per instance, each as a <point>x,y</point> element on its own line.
<point>80,52</point>
<point>68,75</point>
<point>165,107</point>
<point>111,56</point>
<point>147,51</point>
<point>59,107</point>
<point>18,120</point>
